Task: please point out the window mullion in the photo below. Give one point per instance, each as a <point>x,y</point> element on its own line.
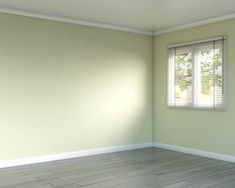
<point>193,78</point>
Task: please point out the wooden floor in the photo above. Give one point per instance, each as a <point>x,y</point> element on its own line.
<point>144,168</point>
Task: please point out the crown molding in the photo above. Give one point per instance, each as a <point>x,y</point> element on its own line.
<point>195,24</point>
<point>75,21</point>
<point>72,21</point>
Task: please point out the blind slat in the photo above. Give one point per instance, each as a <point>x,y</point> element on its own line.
<point>197,42</point>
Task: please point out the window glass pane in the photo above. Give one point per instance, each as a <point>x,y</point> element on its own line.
<point>183,78</point>
<point>205,94</point>
<point>210,78</point>
<point>219,99</point>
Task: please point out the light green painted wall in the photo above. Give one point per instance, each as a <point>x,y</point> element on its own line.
<point>67,88</point>
<point>205,130</point>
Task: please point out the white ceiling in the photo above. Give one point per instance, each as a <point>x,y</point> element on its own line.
<point>149,15</point>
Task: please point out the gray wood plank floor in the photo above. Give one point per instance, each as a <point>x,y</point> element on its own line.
<point>143,168</point>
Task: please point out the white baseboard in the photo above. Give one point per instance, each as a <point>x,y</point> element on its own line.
<point>106,150</point>
<point>83,153</point>
<point>222,157</point>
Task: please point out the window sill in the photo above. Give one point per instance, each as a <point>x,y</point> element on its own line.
<point>222,109</point>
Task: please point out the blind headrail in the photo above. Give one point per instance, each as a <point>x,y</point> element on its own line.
<point>197,42</point>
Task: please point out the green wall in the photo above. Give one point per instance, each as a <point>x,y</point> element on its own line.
<point>67,88</point>
<point>198,129</point>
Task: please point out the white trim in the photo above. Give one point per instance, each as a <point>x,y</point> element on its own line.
<point>72,21</point>
<point>195,24</point>
<point>212,155</point>
<point>106,150</point>
<point>83,153</point>
<point>64,19</point>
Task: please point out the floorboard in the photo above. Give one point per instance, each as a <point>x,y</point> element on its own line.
<point>143,168</point>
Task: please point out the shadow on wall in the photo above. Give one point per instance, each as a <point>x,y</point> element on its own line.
<point>67,88</point>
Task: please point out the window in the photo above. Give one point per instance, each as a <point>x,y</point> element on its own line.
<point>196,74</point>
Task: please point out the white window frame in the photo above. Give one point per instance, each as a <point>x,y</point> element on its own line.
<point>171,72</point>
